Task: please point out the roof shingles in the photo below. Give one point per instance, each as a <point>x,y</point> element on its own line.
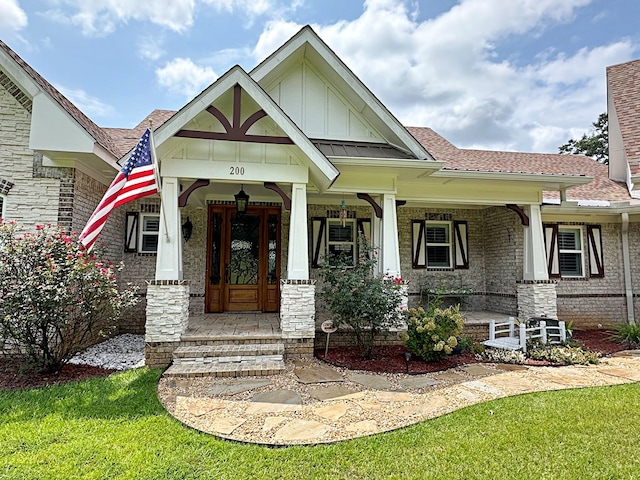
<point>601,188</point>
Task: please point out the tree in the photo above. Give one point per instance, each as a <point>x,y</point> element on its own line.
<point>55,297</point>
<point>594,145</point>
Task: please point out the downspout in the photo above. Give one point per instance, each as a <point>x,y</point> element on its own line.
<point>626,262</point>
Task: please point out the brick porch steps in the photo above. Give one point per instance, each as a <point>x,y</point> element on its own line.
<point>227,359</point>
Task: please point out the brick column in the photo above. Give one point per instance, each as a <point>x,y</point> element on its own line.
<point>537,299</point>
<point>297,316</point>
<point>167,320</point>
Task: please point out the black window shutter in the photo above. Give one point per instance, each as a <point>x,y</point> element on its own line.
<point>318,225</point>
<point>418,245</point>
<point>596,259</point>
<point>552,251</point>
<point>131,232</point>
<point>461,243</point>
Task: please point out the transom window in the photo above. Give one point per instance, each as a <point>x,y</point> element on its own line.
<point>439,248</point>
<point>149,233</point>
<point>570,252</point>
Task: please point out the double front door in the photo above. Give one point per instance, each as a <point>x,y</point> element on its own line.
<point>243,259</point>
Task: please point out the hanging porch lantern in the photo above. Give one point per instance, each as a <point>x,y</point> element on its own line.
<point>242,200</point>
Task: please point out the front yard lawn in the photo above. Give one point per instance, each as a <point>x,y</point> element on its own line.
<point>114,427</point>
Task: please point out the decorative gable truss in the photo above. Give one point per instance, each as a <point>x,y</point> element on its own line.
<point>566,249</point>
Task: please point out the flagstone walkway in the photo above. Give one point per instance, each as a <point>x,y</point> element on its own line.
<point>313,402</point>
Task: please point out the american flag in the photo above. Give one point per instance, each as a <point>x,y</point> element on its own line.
<point>135,180</point>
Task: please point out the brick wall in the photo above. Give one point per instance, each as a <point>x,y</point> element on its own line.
<point>503,244</point>
<point>590,302</point>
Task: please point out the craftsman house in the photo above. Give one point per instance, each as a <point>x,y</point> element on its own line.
<point>265,172</point>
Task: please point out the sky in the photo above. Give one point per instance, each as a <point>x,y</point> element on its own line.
<point>523,75</point>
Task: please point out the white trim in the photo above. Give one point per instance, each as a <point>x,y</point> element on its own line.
<point>3,205</point>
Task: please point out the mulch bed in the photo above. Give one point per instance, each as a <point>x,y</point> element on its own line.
<point>391,359</point>
<point>388,359</point>
<point>11,378</point>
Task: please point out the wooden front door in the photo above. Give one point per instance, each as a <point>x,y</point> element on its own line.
<point>243,259</point>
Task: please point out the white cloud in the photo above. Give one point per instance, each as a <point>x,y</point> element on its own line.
<point>447,73</point>
<point>151,47</point>
<point>182,75</point>
<point>90,106</point>
<point>102,17</point>
<point>12,17</point>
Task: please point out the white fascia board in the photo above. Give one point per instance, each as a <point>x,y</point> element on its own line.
<point>388,162</point>
<point>17,75</point>
<point>307,35</point>
<point>324,173</point>
<point>559,181</point>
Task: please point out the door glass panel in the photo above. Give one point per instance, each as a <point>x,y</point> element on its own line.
<point>272,274</point>
<point>216,240</point>
<point>243,264</point>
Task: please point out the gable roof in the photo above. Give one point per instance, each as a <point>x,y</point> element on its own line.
<point>623,81</point>
<point>127,138</point>
<point>489,161</point>
<point>321,170</point>
<point>101,137</point>
<point>306,43</point>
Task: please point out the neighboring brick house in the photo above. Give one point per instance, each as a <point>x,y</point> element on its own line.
<point>321,159</point>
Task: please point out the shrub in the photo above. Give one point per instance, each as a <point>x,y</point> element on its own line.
<point>54,295</point>
<point>498,355</point>
<point>628,334</point>
<point>357,298</point>
<point>433,333</point>
<point>563,354</point>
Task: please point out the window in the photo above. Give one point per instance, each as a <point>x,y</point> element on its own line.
<point>150,228</point>
<point>341,240</point>
<point>568,254</point>
<point>329,237</point>
<point>439,244</point>
<point>3,203</point>
<point>438,240</point>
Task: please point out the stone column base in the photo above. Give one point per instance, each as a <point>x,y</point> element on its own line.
<point>167,319</point>
<point>298,316</point>
<point>537,299</point>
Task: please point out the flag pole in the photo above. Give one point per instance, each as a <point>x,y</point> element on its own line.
<point>156,173</point>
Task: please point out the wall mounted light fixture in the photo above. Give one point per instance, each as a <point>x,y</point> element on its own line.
<point>187,230</point>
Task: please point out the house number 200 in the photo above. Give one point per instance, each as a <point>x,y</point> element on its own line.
<point>236,170</point>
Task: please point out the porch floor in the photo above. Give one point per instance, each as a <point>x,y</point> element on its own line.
<point>257,325</point>
<point>249,325</point>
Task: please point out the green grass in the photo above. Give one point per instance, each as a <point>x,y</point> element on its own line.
<point>114,427</point>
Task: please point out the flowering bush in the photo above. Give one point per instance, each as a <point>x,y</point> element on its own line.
<point>359,299</point>
<point>498,355</point>
<point>433,333</point>
<point>54,296</point>
<point>563,354</point>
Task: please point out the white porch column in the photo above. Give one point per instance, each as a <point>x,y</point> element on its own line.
<point>535,258</point>
<point>376,241</point>
<point>169,259</point>
<point>390,246</point>
<point>298,258</point>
